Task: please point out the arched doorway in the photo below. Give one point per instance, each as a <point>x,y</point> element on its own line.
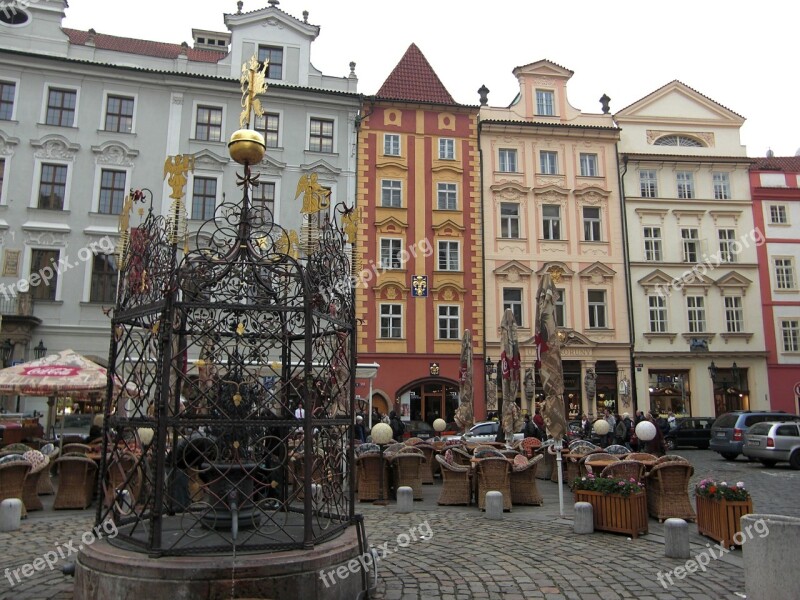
<point>429,399</point>
<point>380,402</point>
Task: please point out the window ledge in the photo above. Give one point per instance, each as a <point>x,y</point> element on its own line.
<point>112,133</point>
<point>512,239</point>
<point>320,152</point>
<point>109,215</point>
<point>36,209</point>
<point>651,335</point>
<point>57,126</point>
<point>40,301</point>
<point>736,336</point>
<point>778,290</point>
<point>215,142</point>
<point>91,303</point>
<point>559,241</point>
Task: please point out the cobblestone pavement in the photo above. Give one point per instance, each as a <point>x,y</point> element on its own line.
<point>531,553</point>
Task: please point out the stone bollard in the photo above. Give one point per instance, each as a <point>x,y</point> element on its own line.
<point>584,518</point>
<point>676,538</point>
<point>10,514</point>
<point>494,505</point>
<point>768,553</point>
<point>405,499</point>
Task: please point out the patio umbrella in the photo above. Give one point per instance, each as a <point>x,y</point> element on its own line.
<point>465,415</point>
<point>509,363</point>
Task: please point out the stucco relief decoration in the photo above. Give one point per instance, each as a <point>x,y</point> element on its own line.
<point>392,292</point>
<point>556,273</point>
<point>512,275</point>
<point>45,238</point>
<point>544,81</point>
<point>592,198</point>
<point>7,145</point>
<point>545,181</point>
<point>447,121</point>
<point>55,148</point>
<point>273,22</point>
<point>553,198</point>
<point>177,99</point>
<point>115,155</point>
<point>392,117</point>
<point>448,295</point>
<point>510,249</point>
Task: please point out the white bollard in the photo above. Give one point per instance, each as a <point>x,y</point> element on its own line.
<point>494,505</point>
<point>676,538</point>
<point>584,518</point>
<point>10,514</point>
<point>405,499</point>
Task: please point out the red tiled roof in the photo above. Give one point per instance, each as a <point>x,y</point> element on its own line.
<point>414,79</point>
<point>141,47</point>
<point>777,163</point>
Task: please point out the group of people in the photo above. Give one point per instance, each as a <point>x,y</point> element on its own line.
<point>397,425</point>
<point>622,430</point>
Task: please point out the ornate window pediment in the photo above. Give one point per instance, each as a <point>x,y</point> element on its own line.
<point>598,273</point>
<point>512,271</point>
<point>655,280</point>
<point>391,225</point>
<point>7,144</point>
<point>448,228</point>
<point>733,284</point>
<point>592,195</point>
<point>115,154</point>
<point>448,292</point>
<point>322,168</point>
<point>55,146</point>
<point>509,191</point>
<point>206,160</point>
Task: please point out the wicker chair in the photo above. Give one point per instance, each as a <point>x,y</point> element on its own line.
<point>456,483</point>
<point>76,449</point>
<point>670,458</point>
<point>668,491</point>
<point>576,453</point>
<point>581,447</point>
<point>45,479</point>
<point>625,469</point>
<point>528,446</point>
<point>461,456</point>
<point>12,481</point>
<point>30,493</point>
<point>585,464</point>
<point>76,482</point>
<point>523,483</point>
<point>494,474</point>
<point>641,456</point>
<point>545,469</point>
<point>370,469</point>
<point>407,466</point>
<point>317,473</point>
<point>554,472</point>
<point>124,474</point>
<point>427,468</point>
<point>617,450</point>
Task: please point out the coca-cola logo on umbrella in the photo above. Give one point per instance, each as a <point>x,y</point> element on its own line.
<point>55,371</point>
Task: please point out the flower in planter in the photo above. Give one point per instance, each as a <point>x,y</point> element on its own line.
<point>708,488</point>
<point>608,485</point>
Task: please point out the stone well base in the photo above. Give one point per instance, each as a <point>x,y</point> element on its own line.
<point>103,571</point>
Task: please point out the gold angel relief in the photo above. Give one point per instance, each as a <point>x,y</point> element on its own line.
<point>315,196</point>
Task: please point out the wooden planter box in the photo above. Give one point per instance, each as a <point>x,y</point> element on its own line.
<point>615,513</point>
<point>719,519</point>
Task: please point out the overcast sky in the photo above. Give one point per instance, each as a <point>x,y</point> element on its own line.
<point>740,54</point>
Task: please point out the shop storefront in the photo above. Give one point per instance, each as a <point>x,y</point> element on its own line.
<point>670,391</point>
<point>573,396</point>
<point>429,400</point>
<point>731,391</point>
<point>606,396</point>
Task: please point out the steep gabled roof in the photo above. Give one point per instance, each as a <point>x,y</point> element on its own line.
<point>103,41</point>
<point>789,164</point>
<point>415,80</point>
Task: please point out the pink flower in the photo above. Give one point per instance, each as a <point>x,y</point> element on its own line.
<point>622,483</point>
<point>740,484</point>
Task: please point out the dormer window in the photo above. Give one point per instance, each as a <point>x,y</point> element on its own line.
<point>274,55</point>
<point>545,103</point>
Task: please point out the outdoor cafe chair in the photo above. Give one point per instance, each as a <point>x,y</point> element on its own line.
<point>617,450</point>
<point>581,447</point>
<point>460,456</point>
<point>494,474</point>
<point>12,479</point>
<point>370,468</point>
<point>76,482</point>
<point>427,469</point>
<point>528,446</point>
<point>406,471</point>
<point>456,483</point>
<point>40,467</point>
<point>625,469</point>
<point>668,491</point>
<point>123,481</point>
<point>642,456</point>
<point>51,451</point>
<point>75,448</point>
<point>670,458</point>
<point>586,462</point>
<point>523,481</point>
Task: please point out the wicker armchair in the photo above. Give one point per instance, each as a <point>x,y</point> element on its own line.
<point>46,488</point>
<point>545,468</point>
<point>641,456</point>
<point>585,464</point>
<point>581,447</point>
<point>577,452</point>
<point>123,482</point>
<point>427,469</point>
<point>670,458</point>
<point>40,467</point>
<point>523,483</point>
<point>12,481</point>
<point>370,468</point>
<point>528,446</point>
<point>76,449</point>
<point>625,469</point>
<point>407,466</point>
<point>494,474</point>
<point>617,450</point>
<point>76,482</point>
<point>456,483</point>
<point>668,491</point>
<point>460,456</point>
<point>298,473</point>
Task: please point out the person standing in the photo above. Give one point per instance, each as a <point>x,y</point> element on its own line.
<point>360,430</point>
<point>538,419</point>
<point>398,429</point>
<point>529,430</point>
<point>612,423</point>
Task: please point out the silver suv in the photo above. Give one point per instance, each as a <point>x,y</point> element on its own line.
<point>773,442</point>
<point>727,432</point>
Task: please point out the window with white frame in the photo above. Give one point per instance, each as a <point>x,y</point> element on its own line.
<point>691,244</point>
<point>545,103</point>
<point>274,55</point>
<point>561,307</point>
<point>119,114</point>
<point>784,273</point>
<point>508,160</point>
<point>512,299</point>
<point>722,186</point>
<point>321,135</point>
<point>208,124</point>
<point>589,165</point>
<point>658,313</point>
<point>449,322</point>
<point>104,279</point>
<point>597,309</point>
<point>685,183</point>
<point>551,222</point>
<point>204,198</point>
<point>391,144</point>
<point>391,321</point>
<point>696,312</point>
<point>509,220</point>
<point>270,124</point>
<point>61,106</point>
<point>778,214</point>
<point>52,186</point>
<point>447,149</point>
<point>648,183</point>
<point>652,243</point>
<point>591,224</point>
<point>548,162</point>
<point>734,315</point>
<point>43,288</point>
<point>112,191</point>
<point>449,256</point>
<point>447,196</point>
<point>390,253</point>
<point>790,332</point>
<point>391,193</point>
<point>8,90</point>
<point>264,199</point>
<point>727,245</point>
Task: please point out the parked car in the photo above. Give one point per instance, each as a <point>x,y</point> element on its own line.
<point>689,431</point>
<point>727,432</point>
<point>483,432</point>
<point>419,429</point>
<point>772,442</point>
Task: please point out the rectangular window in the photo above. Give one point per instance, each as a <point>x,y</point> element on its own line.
<point>696,311</point>
<point>447,196</point>
<point>722,186</point>
<point>208,127</point>
<point>112,192</point>
<point>7,90</point>
<point>551,222</point>
<point>512,299</point>
<point>509,220</point>
<point>204,198</point>
<point>545,103</point>
<point>777,214</point>
<point>449,322</point>
<point>691,244</point>
<point>648,184</point>
<point>275,57</point>
<point>734,316</point>
<point>46,288</point>
<point>727,247</point>
<point>61,107</point>
<point>119,114</point>
<point>391,144</point>
<point>264,198</point>
<point>321,139</point>
<point>790,329</point>
<point>685,181</point>
<point>270,124</point>
<point>390,253</point>
<point>104,279</point>
<point>548,162</point>
<point>784,273</point>
<point>447,149</point>
<point>658,314</point>
<point>391,321</point>
<point>508,160</point>
<point>652,244</point>
<point>561,307</point>
<point>591,224</point>
<point>52,187</point>
<point>391,193</point>
<point>449,256</point>
<point>597,309</point>
<point>589,165</point>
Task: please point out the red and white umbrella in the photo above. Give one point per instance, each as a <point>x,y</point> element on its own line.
<point>62,373</point>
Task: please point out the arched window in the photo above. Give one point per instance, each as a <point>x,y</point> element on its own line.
<point>678,140</point>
